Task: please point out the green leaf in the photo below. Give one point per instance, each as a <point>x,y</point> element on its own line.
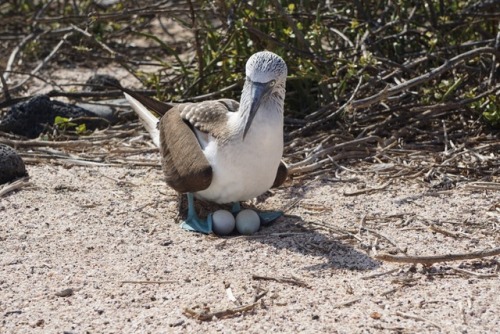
<point>81,129</point>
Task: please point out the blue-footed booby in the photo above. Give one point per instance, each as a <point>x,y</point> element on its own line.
<point>222,151</point>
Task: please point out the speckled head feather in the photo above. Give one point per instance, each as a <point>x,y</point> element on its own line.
<point>265,66</point>
<point>264,69</point>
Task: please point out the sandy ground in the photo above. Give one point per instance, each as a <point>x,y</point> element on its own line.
<point>109,234</point>
<point>98,250</point>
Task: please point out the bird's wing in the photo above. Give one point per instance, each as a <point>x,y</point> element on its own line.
<point>184,132</point>
<point>209,117</point>
<point>281,175</point>
<point>181,132</point>
<point>185,166</point>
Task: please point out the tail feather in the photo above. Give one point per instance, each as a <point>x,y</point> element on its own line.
<point>148,109</point>
<point>152,104</point>
<point>147,118</point>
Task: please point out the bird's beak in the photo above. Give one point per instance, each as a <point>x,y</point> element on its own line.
<point>257,93</point>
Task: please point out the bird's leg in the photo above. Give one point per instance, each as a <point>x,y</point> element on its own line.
<point>236,208</point>
<point>193,222</point>
<point>265,217</point>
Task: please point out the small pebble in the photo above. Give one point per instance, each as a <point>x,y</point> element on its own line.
<point>65,293</point>
<point>101,82</point>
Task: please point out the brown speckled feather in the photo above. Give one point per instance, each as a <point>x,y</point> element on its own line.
<point>209,116</point>
<point>184,164</point>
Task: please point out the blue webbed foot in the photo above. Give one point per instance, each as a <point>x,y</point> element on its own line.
<point>265,217</point>
<point>269,216</point>
<point>193,222</point>
<point>196,224</point>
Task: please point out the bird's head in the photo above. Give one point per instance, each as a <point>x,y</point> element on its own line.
<point>265,76</point>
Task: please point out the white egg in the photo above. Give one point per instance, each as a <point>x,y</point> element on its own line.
<point>222,222</point>
<point>247,222</point>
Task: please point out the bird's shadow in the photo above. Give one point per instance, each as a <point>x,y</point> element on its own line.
<point>292,233</point>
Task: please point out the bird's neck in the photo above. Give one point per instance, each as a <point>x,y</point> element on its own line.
<point>270,111</point>
<point>269,116</point>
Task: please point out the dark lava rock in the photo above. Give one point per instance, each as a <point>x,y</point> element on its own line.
<point>101,82</point>
<point>30,118</point>
<point>11,164</point>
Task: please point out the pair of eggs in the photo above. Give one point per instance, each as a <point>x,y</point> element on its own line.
<point>247,222</point>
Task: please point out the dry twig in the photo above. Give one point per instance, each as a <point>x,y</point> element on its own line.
<point>471,273</point>
<point>379,274</point>
<point>289,280</point>
<point>415,317</point>
<point>147,282</point>
<point>347,303</point>
<point>368,190</point>
<point>207,316</point>
<point>16,185</point>
<point>443,231</point>
<point>448,65</point>
<point>428,260</point>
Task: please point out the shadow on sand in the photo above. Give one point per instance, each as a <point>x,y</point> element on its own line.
<point>291,232</point>
<point>294,234</point>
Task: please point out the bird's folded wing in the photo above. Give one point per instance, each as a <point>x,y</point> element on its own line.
<point>184,163</point>
<point>281,175</point>
<point>209,117</point>
<point>185,167</point>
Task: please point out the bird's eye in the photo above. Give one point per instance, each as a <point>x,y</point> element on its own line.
<point>272,83</point>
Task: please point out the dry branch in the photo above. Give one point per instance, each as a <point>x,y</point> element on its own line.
<point>473,274</point>
<point>428,260</point>
<point>147,282</point>
<point>448,65</point>
<point>15,52</point>
<point>483,186</point>
<point>292,168</point>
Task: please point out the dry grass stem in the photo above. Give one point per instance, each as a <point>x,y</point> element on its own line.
<point>368,190</point>
<point>288,280</point>
<point>347,303</point>
<point>443,231</point>
<point>147,282</point>
<point>428,260</point>
<point>473,274</point>
<point>16,185</point>
<point>483,186</point>
<point>207,316</point>
<point>415,317</point>
<point>380,274</point>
